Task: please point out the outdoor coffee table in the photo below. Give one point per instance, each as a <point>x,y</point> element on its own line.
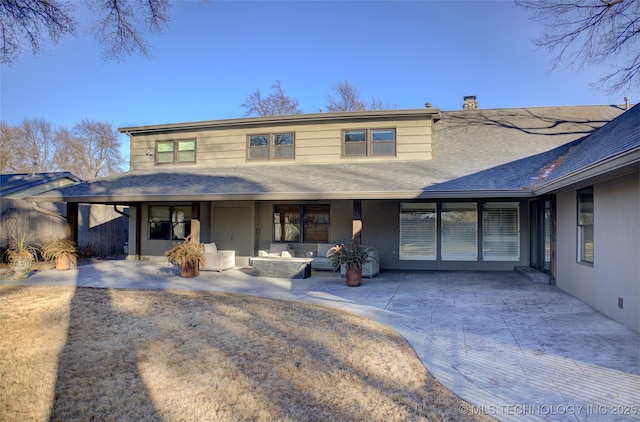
<point>268,266</point>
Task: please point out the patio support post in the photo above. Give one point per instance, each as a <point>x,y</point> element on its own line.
<point>138,232</point>
<point>71,229</point>
<point>356,234</point>
<point>195,221</point>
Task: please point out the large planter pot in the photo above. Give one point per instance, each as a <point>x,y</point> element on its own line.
<point>63,262</point>
<point>189,270</point>
<point>21,267</point>
<point>353,276</point>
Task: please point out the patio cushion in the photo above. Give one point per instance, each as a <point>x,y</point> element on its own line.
<point>323,249</point>
<point>278,248</point>
<point>320,260</point>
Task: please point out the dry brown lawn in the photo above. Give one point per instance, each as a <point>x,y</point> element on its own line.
<point>95,354</point>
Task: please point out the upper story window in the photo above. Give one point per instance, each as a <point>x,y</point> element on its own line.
<point>367,142</point>
<point>355,142</point>
<point>383,142</point>
<point>170,152</point>
<point>271,146</point>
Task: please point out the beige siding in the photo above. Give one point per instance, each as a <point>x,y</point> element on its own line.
<point>315,143</point>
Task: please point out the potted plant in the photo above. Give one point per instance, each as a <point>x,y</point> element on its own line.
<point>189,255</point>
<point>63,251</point>
<point>353,256</point>
<point>21,254</point>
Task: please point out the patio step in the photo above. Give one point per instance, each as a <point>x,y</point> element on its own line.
<point>533,275</point>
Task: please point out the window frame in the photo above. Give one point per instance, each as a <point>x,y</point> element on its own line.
<point>175,151</point>
<point>447,237</point>
<point>354,143</point>
<point>271,146</point>
<point>300,222</point>
<point>418,237</point>
<point>373,142</point>
<point>585,219</point>
<point>496,233</point>
<point>369,142</point>
<point>172,224</point>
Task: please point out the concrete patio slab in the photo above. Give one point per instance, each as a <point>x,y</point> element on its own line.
<point>516,349</point>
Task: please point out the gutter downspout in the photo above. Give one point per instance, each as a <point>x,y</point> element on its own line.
<point>115,208</point>
<point>47,212</point>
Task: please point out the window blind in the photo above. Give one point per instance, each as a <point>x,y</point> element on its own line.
<point>418,232</point>
<point>459,231</point>
<point>501,231</point>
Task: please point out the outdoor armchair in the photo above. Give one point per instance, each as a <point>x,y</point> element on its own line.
<point>218,260</point>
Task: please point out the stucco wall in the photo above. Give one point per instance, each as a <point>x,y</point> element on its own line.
<point>615,272</point>
<point>380,230</point>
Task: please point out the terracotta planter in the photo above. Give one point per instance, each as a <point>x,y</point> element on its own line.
<point>189,270</point>
<point>354,276</point>
<point>63,263</point>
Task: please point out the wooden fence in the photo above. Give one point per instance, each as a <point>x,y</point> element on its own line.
<point>101,230</point>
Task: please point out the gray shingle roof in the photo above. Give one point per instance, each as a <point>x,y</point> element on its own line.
<point>618,137</point>
<point>12,183</point>
<point>477,152</point>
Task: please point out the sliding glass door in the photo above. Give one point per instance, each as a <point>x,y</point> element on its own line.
<point>542,217</point>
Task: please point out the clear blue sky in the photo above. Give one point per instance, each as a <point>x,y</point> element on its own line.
<point>215,53</point>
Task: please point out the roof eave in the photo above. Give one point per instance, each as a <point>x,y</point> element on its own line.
<point>7,193</point>
<point>432,113</point>
<point>287,196</point>
<point>626,162</point>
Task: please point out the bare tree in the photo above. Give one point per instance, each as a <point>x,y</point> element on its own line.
<point>347,97</point>
<point>275,104</point>
<point>27,24</point>
<point>92,149</point>
<point>120,29</point>
<point>6,147</point>
<point>34,147</point>
<point>24,23</point>
<point>592,32</point>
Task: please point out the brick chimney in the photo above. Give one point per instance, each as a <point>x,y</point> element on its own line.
<point>470,103</point>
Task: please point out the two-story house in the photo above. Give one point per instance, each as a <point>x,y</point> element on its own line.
<point>479,189</point>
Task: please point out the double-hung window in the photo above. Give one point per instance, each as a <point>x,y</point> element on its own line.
<point>585,225</point>
<point>301,223</point>
<point>178,151</point>
<point>169,222</point>
<point>271,146</point>
<point>418,231</point>
<point>501,231</point>
<point>367,142</point>
<point>354,142</point>
<point>383,142</point>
